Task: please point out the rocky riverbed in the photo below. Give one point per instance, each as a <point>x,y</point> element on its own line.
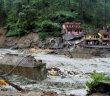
<point>74,72</point>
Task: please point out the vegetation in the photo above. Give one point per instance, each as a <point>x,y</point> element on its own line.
<point>46,16</point>
<point>96,79</point>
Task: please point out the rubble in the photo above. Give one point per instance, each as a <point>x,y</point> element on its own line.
<point>35,51</point>
<point>32,93</point>
<point>51,43</point>
<point>53,71</point>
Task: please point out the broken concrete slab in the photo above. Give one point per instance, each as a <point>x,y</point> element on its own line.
<point>23,65</point>
<point>52,43</point>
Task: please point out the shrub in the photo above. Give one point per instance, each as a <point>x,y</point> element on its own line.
<point>48,28</point>
<point>42,35</point>
<point>63,16</point>
<point>22,22</point>
<point>96,78</point>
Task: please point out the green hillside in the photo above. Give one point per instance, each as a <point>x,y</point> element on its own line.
<point>46,16</point>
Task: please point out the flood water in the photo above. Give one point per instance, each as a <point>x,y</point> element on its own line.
<point>75,73</point>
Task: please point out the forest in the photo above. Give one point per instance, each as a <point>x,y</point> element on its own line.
<point>46,16</point>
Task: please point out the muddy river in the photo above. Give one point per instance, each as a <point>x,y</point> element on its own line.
<point>75,73</point>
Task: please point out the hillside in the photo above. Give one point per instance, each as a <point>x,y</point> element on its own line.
<point>46,17</point>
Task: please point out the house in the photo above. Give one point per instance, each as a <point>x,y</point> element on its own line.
<point>97,37</point>
<point>72,30</point>
<point>103,37</point>
<point>91,37</point>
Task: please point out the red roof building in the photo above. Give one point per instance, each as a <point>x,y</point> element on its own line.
<point>72,28</point>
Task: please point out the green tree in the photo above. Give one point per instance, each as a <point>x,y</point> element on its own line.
<point>23,16</point>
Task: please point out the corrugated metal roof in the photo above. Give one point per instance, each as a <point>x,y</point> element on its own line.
<point>70,36</point>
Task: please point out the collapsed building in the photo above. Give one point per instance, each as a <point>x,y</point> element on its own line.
<point>72,33</point>
<point>72,30</point>
<point>26,66</point>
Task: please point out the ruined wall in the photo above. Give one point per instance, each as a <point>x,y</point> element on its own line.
<point>24,66</point>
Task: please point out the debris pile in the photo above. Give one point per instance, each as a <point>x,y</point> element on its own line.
<point>53,71</point>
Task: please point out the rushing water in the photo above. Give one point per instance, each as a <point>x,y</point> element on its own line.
<point>73,83</point>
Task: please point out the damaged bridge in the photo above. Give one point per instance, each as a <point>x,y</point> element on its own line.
<point>26,66</point>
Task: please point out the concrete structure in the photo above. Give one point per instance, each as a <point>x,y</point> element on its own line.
<point>92,37</point>
<point>72,30</point>
<point>23,65</point>
<point>104,36</point>
<point>97,37</point>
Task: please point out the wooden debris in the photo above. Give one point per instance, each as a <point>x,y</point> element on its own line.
<point>13,85</point>
<point>3,83</point>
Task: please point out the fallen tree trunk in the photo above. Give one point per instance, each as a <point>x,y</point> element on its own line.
<point>11,84</point>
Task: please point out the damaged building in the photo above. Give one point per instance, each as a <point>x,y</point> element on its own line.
<point>26,66</point>
<point>97,37</point>
<point>91,37</point>
<point>72,32</point>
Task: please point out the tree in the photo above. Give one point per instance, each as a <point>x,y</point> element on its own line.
<point>93,13</point>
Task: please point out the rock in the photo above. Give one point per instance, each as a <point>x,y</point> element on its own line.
<point>71,95</point>
<point>55,43</point>
<point>63,75</point>
<point>42,44</point>
<point>27,41</point>
<point>52,43</point>
<point>102,87</point>
<point>99,94</point>
<point>96,52</point>
<point>1,72</point>
<point>35,94</point>
<point>49,93</point>
<point>3,89</point>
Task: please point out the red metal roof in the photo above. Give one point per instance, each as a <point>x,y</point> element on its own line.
<point>72,27</point>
